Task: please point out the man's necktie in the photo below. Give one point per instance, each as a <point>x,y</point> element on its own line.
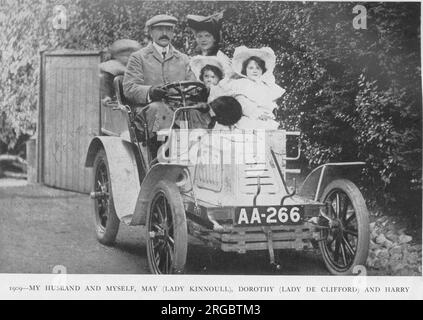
<point>164,54</point>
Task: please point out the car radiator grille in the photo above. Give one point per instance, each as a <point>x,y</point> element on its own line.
<point>249,179</point>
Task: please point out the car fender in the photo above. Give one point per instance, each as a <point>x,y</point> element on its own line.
<point>123,173</point>
<point>160,171</point>
<point>320,177</point>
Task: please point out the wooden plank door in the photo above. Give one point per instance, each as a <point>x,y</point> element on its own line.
<point>70,118</point>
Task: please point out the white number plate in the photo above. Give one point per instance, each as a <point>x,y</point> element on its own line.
<point>263,215</point>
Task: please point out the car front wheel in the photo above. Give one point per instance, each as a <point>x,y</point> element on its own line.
<point>166,232</point>
<point>106,220</point>
<point>345,237</point>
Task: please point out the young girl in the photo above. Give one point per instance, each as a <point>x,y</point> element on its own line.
<point>210,75</point>
<point>210,71</point>
<point>207,69</point>
<point>256,90</point>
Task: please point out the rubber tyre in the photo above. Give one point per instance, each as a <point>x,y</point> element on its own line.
<point>362,223</point>
<point>176,232</point>
<point>105,218</point>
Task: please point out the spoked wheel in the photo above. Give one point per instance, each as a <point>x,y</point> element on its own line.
<point>106,220</point>
<point>345,241</point>
<point>167,238</point>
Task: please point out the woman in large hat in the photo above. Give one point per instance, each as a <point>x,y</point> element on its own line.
<point>207,31</point>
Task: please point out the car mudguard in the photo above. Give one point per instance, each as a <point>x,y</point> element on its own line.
<point>160,171</point>
<point>320,177</point>
<point>123,169</point>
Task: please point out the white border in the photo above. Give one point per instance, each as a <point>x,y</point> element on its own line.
<point>280,284</point>
<point>187,287</point>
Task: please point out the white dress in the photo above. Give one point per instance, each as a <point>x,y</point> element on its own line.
<point>257,99</point>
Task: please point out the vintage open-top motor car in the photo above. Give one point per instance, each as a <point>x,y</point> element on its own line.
<point>226,188</point>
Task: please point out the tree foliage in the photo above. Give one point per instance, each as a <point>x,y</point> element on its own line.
<point>25,30</point>
<point>355,94</point>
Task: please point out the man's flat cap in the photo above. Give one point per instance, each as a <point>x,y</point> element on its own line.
<point>161,20</point>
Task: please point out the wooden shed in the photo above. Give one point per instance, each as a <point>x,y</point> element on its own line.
<point>69,117</point>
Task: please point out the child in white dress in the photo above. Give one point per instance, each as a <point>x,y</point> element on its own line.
<point>256,90</point>
<point>210,71</point>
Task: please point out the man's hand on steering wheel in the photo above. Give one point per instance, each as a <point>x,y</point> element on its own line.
<point>157,93</point>
<point>193,91</point>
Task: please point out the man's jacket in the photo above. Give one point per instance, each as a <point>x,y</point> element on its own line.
<point>146,68</point>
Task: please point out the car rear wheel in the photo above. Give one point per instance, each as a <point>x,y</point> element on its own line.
<point>345,240</point>
<point>106,220</point>
<point>166,232</point>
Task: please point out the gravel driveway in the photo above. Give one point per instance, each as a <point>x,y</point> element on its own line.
<point>41,228</point>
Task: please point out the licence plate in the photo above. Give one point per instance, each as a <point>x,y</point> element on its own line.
<point>264,215</point>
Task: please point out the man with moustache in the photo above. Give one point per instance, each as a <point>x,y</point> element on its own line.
<point>150,68</point>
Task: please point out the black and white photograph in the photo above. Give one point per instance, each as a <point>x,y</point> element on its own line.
<point>260,139</point>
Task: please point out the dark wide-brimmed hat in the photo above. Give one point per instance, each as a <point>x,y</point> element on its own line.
<point>124,45</point>
<point>211,23</point>
<point>161,20</point>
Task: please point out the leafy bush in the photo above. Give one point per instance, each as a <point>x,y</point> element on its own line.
<point>355,94</point>
<point>387,139</point>
<point>25,30</point>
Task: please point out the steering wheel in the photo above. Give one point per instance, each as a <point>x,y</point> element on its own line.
<point>183,90</point>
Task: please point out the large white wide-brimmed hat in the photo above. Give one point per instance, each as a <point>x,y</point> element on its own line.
<point>199,62</point>
<point>243,53</point>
